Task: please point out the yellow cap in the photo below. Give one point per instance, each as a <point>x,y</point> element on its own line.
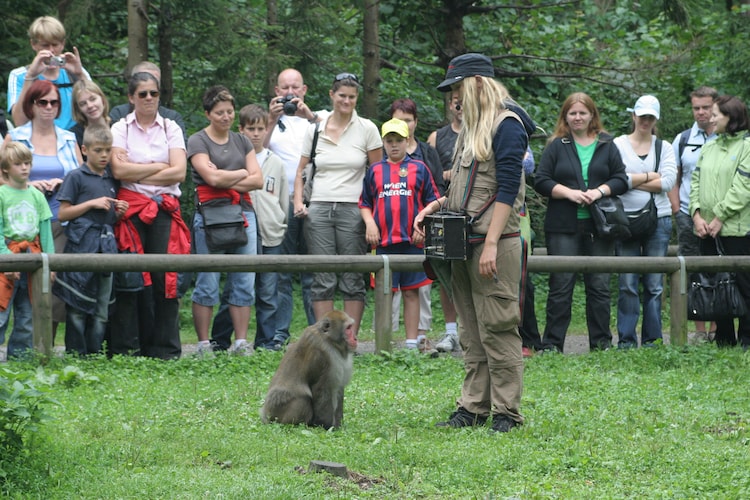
<point>395,126</point>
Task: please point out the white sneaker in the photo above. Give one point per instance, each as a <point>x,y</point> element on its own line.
<point>244,349</point>
<point>205,350</point>
<point>448,343</point>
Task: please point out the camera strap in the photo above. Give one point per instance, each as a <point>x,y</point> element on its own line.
<point>312,151</point>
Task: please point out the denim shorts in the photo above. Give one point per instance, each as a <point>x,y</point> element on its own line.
<point>240,285</point>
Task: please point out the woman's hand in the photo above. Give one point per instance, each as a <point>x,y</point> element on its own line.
<point>714,227</point>
<point>590,196</point>
<point>300,210</point>
<point>488,260</point>
<point>700,225</point>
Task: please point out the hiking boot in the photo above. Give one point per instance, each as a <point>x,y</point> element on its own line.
<point>463,418</point>
<point>503,423</point>
<point>448,343</point>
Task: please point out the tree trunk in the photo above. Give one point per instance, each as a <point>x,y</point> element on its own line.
<point>371,54</point>
<point>137,32</point>
<point>272,39</point>
<point>455,38</point>
<point>165,36</point>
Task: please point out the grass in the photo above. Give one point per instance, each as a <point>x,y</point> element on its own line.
<point>653,423</point>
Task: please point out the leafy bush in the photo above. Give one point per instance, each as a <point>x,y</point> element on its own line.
<point>21,408</point>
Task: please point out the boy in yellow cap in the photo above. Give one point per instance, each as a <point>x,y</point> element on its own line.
<point>394,191</point>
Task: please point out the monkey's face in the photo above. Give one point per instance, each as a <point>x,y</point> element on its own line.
<point>351,339</point>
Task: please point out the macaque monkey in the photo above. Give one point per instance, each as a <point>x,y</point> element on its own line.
<point>308,386</point>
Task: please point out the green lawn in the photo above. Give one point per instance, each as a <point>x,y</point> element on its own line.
<point>646,423</point>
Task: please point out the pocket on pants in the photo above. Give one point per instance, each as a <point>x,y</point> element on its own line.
<point>499,308</point>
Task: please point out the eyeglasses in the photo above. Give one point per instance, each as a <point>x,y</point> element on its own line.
<point>144,93</point>
<point>43,103</point>
<point>346,76</point>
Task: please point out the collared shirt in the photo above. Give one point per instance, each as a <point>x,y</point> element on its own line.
<point>150,145</point>
<point>340,166</point>
<point>689,159</point>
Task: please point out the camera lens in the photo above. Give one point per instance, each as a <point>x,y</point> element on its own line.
<point>290,108</point>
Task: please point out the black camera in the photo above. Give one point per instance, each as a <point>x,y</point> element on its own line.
<point>289,107</point>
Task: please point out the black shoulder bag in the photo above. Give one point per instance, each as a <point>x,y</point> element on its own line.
<point>642,223</point>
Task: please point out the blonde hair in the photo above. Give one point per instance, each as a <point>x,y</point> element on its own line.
<point>88,86</point>
<point>476,131</point>
<point>47,29</point>
<point>13,153</point>
<point>97,134</point>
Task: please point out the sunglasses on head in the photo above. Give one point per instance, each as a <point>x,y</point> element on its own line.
<point>43,103</point>
<point>346,76</point>
<point>144,93</point>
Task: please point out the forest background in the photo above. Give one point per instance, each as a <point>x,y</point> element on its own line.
<point>542,51</point>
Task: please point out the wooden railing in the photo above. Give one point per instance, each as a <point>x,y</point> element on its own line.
<point>40,266</point>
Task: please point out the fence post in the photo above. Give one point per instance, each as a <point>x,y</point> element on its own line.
<point>383,308</point>
<point>41,308</point>
<point>678,305</point>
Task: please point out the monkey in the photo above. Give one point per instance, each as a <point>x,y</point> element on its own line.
<point>308,386</point>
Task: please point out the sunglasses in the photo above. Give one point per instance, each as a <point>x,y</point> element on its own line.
<point>346,76</point>
<point>43,103</point>
<point>145,93</point>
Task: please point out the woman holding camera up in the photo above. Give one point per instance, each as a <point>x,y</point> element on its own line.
<point>487,179</point>
<point>346,145</point>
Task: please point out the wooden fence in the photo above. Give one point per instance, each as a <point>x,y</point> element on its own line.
<point>40,266</point>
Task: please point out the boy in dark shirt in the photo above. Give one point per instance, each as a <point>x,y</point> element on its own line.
<point>87,201</point>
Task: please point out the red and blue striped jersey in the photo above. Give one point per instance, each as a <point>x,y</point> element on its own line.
<point>396,193</point>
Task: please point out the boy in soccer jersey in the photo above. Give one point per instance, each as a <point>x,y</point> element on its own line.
<point>394,191</point>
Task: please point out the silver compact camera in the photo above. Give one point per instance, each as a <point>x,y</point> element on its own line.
<point>56,61</point>
<point>447,236</point>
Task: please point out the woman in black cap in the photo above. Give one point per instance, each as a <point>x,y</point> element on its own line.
<point>487,185</point>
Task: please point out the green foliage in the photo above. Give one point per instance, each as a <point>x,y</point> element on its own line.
<point>655,423</point>
<point>23,398</point>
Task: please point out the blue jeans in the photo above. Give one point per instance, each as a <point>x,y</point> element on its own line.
<point>562,285</point>
<point>84,333</point>
<point>628,303</point>
<point>293,244</point>
<point>266,303</point>
<point>22,336</point>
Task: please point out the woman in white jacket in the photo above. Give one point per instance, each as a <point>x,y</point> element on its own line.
<point>652,172</point>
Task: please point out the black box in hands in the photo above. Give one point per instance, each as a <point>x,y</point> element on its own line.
<point>446,236</point>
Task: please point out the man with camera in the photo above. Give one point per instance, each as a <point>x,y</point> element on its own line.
<point>291,118</point>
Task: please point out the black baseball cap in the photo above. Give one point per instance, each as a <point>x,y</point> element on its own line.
<point>466,65</point>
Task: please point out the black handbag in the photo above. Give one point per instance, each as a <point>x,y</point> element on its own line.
<point>224,224</point>
<point>642,223</point>
<point>713,296</point>
<point>610,221</point>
